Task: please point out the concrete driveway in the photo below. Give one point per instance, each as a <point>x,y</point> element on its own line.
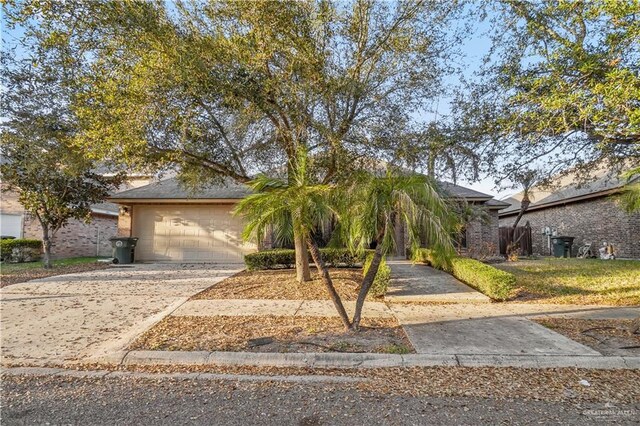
<point>75,317</point>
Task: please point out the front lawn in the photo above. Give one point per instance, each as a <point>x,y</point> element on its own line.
<point>12,273</point>
<point>577,281</point>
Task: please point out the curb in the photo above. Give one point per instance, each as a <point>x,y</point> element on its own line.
<point>369,360</point>
<point>84,374</point>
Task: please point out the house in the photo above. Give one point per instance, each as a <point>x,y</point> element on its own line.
<point>77,238</point>
<point>175,225</point>
<point>590,212</point>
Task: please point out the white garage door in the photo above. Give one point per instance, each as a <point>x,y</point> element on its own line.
<point>11,224</point>
<point>188,233</point>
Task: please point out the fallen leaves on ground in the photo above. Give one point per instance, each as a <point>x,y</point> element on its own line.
<point>282,285</point>
<point>608,336</point>
<point>37,273</point>
<point>288,334</point>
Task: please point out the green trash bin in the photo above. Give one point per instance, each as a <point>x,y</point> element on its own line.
<point>123,249</point>
<point>562,246</point>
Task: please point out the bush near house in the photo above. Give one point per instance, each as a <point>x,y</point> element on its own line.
<point>285,258</point>
<point>493,282</point>
<point>20,250</point>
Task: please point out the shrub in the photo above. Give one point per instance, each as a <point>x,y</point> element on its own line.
<point>431,258</point>
<point>286,258</point>
<point>383,276</point>
<point>20,250</point>
<point>495,283</point>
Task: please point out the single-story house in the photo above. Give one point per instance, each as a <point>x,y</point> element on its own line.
<point>590,212</point>
<point>77,238</point>
<point>175,225</point>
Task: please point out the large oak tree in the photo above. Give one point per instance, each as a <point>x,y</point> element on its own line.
<point>226,89</point>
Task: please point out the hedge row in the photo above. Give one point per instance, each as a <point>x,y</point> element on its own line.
<point>286,258</point>
<point>7,245</point>
<point>495,283</point>
<point>20,250</point>
<point>383,276</point>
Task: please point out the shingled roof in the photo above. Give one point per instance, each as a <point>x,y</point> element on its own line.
<point>604,184</point>
<point>171,189</point>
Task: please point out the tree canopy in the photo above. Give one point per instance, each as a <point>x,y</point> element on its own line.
<point>561,83</point>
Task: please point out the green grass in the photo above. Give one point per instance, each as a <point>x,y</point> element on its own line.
<point>16,268</point>
<point>577,281</point>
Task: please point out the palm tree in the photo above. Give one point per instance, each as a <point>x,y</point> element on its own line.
<point>373,206</point>
<point>293,206</point>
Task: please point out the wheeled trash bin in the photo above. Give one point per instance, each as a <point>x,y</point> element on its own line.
<point>562,246</point>
<point>123,249</point>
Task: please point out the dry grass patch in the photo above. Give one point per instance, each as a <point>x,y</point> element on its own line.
<point>282,285</point>
<point>273,334</point>
<point>609,337</point>
<point>14,273</point>
<point>576,281</point>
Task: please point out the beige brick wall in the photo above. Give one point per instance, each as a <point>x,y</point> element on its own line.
<point>595,220</point>
<point>10,204</point>
<point>78,238</point>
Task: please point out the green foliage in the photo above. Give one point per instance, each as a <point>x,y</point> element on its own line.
<point>20,250</point>
<point>493,282</point>
<point>230,95</point>
<point>561,82</point>
<point>382,278</point>
<point>488,280</point>
<point>631,196</point>
<point>432,257</point>
<point>372,206</point>
<point>7,245</point>
<point>577,281</point>
<point>285,258</point>
<point>394,348</point>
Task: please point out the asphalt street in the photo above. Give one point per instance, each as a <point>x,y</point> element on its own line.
<point>143,401</point>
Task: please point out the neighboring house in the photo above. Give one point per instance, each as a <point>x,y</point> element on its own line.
<point>175,225</point>
<point>75,239</point>
<point>589,212</point>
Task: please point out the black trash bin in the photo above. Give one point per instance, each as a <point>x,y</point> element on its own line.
<point>562,246</point>
<point>123,249</point>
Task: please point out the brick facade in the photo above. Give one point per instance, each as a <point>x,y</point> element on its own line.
<point>595,220</point>
<point>78,238</point>
<point>483,239</point>
<point>75,239</point>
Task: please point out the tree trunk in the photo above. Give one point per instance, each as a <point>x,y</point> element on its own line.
<point>367,282</point>
<point>326,279</point>
<point>46,246</point>
<point>303,273</point>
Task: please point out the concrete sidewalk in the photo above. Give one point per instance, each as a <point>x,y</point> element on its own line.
<point>420,283</point>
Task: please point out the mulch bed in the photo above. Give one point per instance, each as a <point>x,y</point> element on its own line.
<point>609,337</point>
<point>273,334</point>
<point>36,273</point>
<point>282,285</point>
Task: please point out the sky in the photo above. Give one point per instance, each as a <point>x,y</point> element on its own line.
<point>473,49</point>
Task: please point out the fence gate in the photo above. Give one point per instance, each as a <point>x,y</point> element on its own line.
<point>522,235</point>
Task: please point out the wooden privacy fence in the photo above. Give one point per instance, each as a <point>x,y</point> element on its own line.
<point>523,233</point>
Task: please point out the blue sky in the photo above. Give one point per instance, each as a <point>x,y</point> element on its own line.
<point>473,49</point>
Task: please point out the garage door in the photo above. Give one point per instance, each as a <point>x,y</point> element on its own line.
<point>188,233</point>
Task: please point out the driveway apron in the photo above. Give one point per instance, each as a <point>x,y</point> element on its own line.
<point>72,317</point>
